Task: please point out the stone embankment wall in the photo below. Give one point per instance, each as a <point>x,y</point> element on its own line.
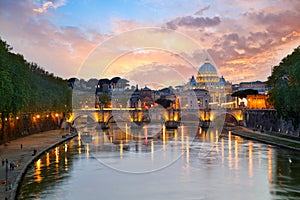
<point>268,120</point>
<point>15,127</point>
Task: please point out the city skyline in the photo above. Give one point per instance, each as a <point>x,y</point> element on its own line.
<point>243,40</point>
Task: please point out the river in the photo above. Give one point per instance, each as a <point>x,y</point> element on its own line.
<point>155,163</point>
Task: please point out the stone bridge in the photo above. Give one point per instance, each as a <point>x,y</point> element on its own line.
<point>106,116</point>
<point>231,117</point>
<point>258,119</point>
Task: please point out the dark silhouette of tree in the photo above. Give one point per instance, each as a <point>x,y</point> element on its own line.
<point>92,83</point>
<point>166,103</point>
<point>243,93</point>
<point>71,82</point>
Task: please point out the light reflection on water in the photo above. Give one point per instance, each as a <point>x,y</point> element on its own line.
<point>209,167</point>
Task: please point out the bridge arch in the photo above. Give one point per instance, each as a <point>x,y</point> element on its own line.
<point>230,119</point>
<point>83,120</point>
<point>118,117</point>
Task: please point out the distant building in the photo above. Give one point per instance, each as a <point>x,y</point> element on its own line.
<point>146,92</point>
<point>115,88</point>
<point>146,96</point>
<point>254,101</point>
<point>261,87</point>
<point>235,87</point>
<point>193,82</point>
<point>179,88</point>
<point>193,99</point>
<point>135,98</point>
<point>165,92</point>
<point>207,78</point>
<point>258,101</point>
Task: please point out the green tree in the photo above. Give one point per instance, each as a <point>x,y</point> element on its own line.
<point>26,88</point>
<point>6,101</point>
<point>6,93</point>
<point>284,85</point>
<point>104,100</point>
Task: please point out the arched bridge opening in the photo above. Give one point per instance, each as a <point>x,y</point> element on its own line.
<point>229,119</point>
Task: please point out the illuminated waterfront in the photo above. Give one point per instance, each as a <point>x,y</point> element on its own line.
<point>167,165</point>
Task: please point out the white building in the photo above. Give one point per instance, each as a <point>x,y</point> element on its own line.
<point>208,79</point>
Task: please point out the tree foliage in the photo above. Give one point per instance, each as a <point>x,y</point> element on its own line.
<point>6,91</point>
<point>166,103</point>
<point>284,84</point>
<point>104,100</point>
<point>26,87</point>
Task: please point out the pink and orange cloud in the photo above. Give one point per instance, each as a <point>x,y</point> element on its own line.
<point>244,41</point>
<point>49,4</point>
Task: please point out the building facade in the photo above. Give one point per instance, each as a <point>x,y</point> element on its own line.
<point>261,87</point>
<point>258,101</point>
<point>193,99</point>
<point>218,88</point>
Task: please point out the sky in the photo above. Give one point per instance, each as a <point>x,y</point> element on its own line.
<point>152,38</point>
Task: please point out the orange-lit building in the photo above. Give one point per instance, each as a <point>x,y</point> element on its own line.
<point>258,101</point>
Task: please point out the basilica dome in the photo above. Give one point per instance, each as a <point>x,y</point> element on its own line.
<point>207,68</point>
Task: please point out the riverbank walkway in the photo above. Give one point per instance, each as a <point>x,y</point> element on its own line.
<point>20,152</point>
<point>277,139</point>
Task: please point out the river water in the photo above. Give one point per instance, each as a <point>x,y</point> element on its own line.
<point>155,163</point>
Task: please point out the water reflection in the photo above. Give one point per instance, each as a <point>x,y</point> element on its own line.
<point>234,167</point>
<point>270,165</point>
<point>38,177</point>
<point>66,147</point>
<point>87,150</point>
<point>250,167</point>
<point>57,154</point>
<point>47,159</point>
<point>229,151</point>
<point>236,155</point>
<point>48,172</point>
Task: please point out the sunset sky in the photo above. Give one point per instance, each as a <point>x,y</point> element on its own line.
<point>243,39</point>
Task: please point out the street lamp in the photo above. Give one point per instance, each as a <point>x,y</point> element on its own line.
<point>58,120</point>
